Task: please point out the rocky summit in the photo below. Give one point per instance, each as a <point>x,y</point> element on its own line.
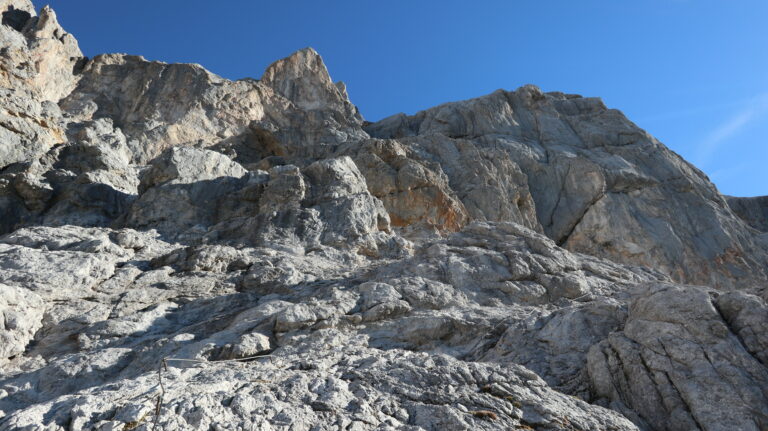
<point>184,252</point>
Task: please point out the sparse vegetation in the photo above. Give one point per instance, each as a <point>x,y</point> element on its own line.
<point>484,414</point>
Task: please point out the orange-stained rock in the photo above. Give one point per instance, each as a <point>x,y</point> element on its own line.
<point>412,192</point>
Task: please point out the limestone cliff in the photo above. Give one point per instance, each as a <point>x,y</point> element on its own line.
<point>181,251</point>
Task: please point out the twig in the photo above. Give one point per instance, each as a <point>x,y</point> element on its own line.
<point>201,361</point>
<point>164,366</point>
<point>159,405</point>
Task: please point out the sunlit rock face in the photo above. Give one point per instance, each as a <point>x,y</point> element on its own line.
<point>181,251</point>
<point>593,181</point>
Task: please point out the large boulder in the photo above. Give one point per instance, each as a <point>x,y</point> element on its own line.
<point>200,195</point>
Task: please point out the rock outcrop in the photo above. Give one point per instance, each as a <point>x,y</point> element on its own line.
<point>600,184</point>
<point>683,352</point>
<point>754,211</point>
<point>181,251</point>
<point>36,70</point>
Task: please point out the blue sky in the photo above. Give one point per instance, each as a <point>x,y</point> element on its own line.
<point>694,73</point>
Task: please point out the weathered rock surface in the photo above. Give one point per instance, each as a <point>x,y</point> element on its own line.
<point>346,386</point>
<point>181,251</point>
<point>600,184</point>
<point>294,110</point>
<point>22,313</point>
<point>36,70</point>
<point>204,303</point>
<point>754,211</point>
<point>683,353</point>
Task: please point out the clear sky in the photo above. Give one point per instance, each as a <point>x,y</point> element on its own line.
<point>694,73</point>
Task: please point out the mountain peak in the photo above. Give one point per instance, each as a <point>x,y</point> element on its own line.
<point>303,79</point>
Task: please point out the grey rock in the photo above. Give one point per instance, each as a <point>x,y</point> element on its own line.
<point>754,210</point>
<point>351,386</point>
<point>179,191</point>
<point>600,184</point>
<point>470,295</point>
<point>303,79</point>
<point>183,104</point>
<point>22,313</point>
<point>414,193</point>
<point>745,316</point>
<point>194,195</point>
<point>181,165</point>
<point>88,181</point>
<point>182,251</point>
<point>679,365</point>
<point>57,52</point>
<point>29,127</point>
<point>36,70</point>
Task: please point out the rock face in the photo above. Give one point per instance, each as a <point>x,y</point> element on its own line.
<point>681,353</point>
<point>294,110</point>
<point>599,183</point>
<point>754,211</point>
<point>35,72</point>
<point>180,251</point>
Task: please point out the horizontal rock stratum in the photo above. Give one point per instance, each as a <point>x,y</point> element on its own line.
<point>179,251</point>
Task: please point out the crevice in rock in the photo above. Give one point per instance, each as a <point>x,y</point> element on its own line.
<point>562,241</point>
<point>683,401</point>
<point>735,332</point>
<point>560,195</point>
